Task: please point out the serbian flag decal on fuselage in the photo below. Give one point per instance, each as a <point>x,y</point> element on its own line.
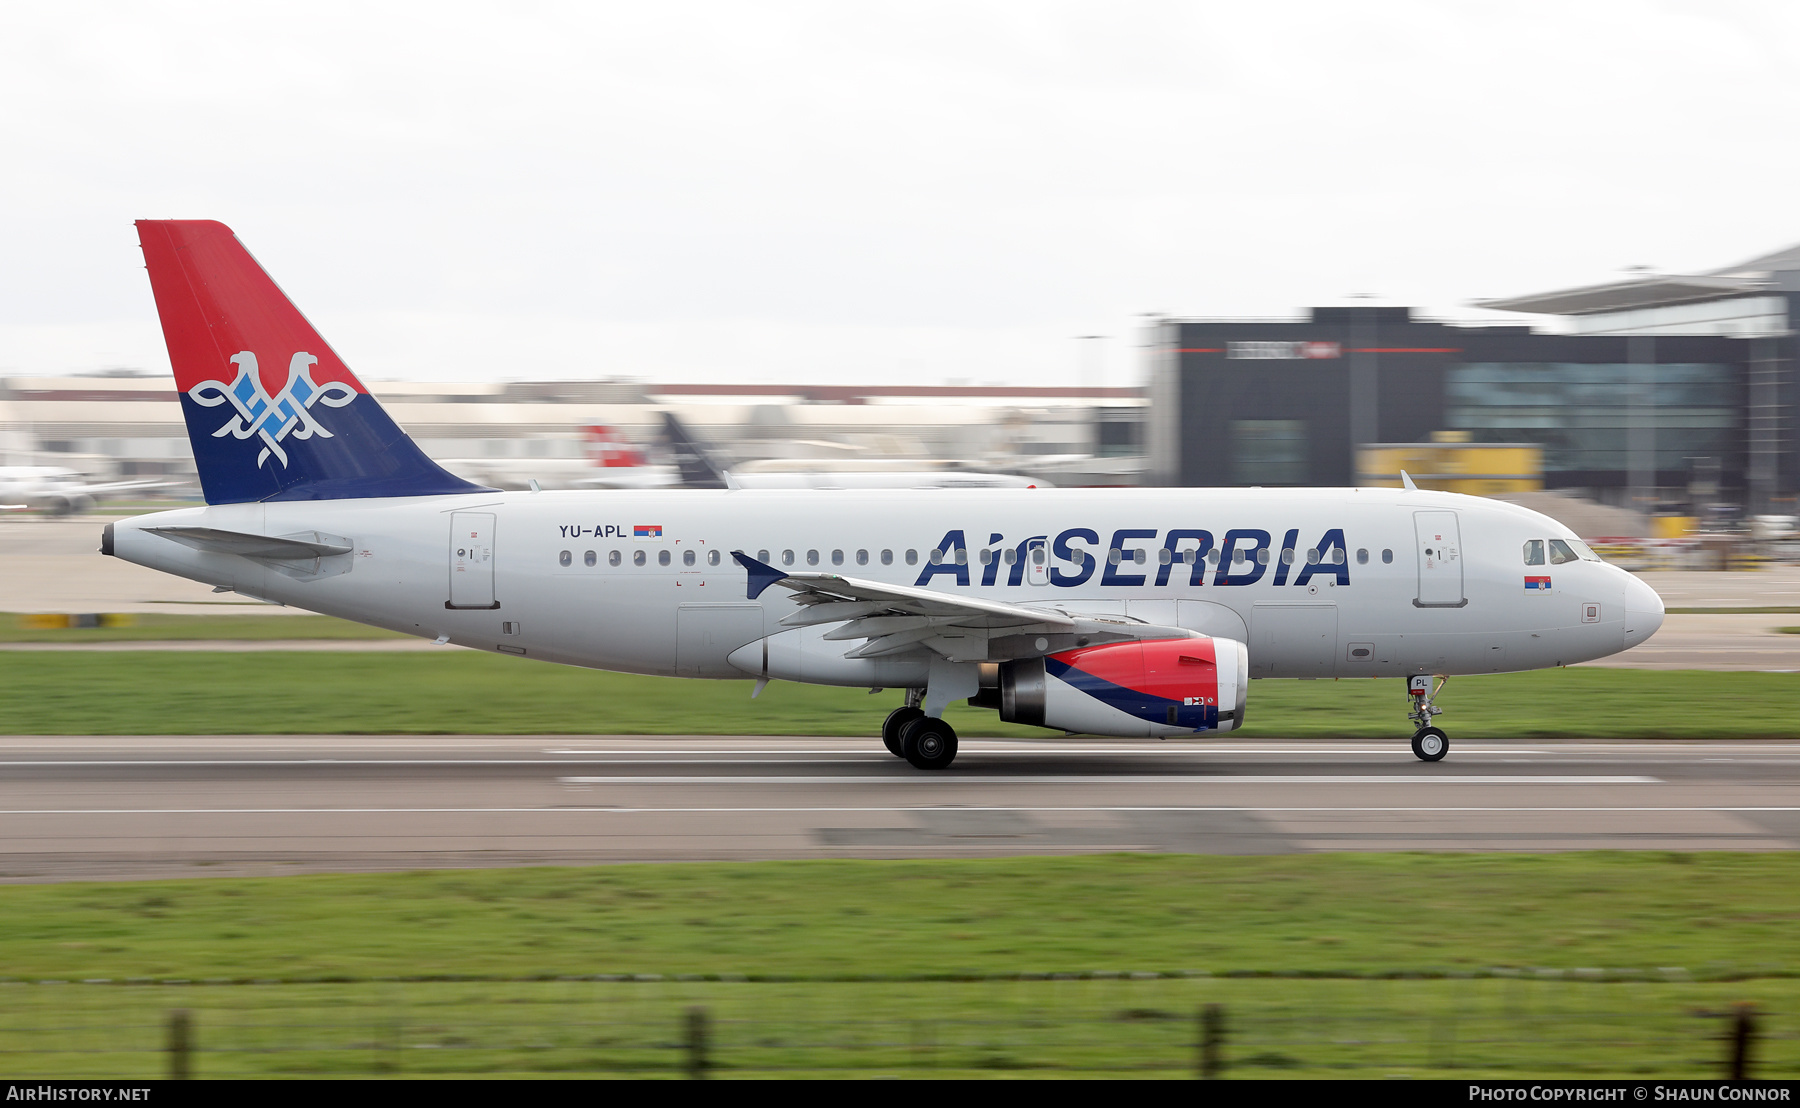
<point>1542,584</point>
<point>649,532</point>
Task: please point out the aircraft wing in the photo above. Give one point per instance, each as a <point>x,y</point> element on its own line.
<point>894,619</point>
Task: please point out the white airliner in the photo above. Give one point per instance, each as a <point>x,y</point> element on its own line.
<point>1130,612</point>
<point>57,490</point>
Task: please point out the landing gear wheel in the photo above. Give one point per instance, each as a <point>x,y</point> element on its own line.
<point>890,728</point>
<point>1430,744</point>
<point>928,743</point>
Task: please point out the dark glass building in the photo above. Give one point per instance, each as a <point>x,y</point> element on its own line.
<point>1660,391</point>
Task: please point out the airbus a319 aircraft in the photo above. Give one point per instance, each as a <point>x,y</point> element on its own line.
<point>1127,612</point>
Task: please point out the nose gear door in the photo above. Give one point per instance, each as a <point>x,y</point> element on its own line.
<point>1439,547</point>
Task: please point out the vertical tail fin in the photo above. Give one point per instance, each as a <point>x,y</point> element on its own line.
<point>693,460</point>
<point>272,411</point>
<point>608,448</point>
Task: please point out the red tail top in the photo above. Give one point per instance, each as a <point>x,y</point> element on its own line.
<point>272,411</point>
<point>216,302</point>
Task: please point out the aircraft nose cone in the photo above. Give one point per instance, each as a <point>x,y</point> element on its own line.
<point>1643,612</point>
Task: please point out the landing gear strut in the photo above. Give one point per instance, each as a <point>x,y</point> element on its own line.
<point>1429,743</point>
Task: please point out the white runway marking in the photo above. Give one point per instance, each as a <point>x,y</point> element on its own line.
<point>885,808</point>
<point>426,762</point>
<point>1388,751</point>
<point>1424,777</point>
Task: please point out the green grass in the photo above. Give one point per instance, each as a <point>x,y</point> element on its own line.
<point>1593,964</point>
<point>1715,915</point>
<point>1518,1028</point>
<point>178,692</point>
<point>157,627</point>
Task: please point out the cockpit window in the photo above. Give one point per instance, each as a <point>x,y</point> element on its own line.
<point>1560,552</point>
<point>1584,551</point>
<point>1534,552</point>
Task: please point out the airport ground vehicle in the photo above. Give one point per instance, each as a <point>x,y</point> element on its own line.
<point>1135,612</point>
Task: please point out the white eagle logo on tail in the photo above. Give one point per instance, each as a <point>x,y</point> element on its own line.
<point>272,417</point>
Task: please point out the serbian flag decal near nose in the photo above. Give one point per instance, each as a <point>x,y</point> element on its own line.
<point>646,531</point>
<point>1542,584</point>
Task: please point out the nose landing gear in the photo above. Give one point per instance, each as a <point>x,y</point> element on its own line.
<point>1429,743</point>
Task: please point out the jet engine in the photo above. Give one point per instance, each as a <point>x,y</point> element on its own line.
<point>1132,689</point>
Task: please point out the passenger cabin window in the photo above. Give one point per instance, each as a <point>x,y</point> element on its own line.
<point>812,557</point>
<point>787,557</point>
<point>638,557</point>
<point>1387,557</point>
<point>1362,556</point>
<point>862,557</point>
<point>564,558</point>
<point>887,557</point>
<point>937,557</point>
<point>837,557</point>
<point>590,559</point>
<point>1560,552</point>
<point>662,557</point>
<point>912,557</point>
<point>762,556</point>
<point>1534,552</point>
<point>613,558</point>
<point>687,557</point>
<point>712,557</point>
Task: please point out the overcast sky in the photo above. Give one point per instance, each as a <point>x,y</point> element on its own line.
<point>841,191</point>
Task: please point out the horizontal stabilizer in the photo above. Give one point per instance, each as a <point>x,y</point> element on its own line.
<point>307,544</point>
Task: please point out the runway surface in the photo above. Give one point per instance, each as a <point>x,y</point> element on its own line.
<point>124,807</point>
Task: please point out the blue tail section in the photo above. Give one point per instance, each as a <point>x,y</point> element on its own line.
<point>272,411</point>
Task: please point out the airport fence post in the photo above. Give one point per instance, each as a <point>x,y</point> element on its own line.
<point>697,1060</point>
<point>1212,1041</point>
<point>1743,1038</point>
<point>181,1044</point>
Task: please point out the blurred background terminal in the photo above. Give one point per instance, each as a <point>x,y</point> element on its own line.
<point>1651,414</point>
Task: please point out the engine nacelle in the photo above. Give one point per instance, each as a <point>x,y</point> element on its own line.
<point>1131,689</point>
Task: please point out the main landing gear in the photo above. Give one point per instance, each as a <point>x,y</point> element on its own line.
<point>925,742</point>
<point>1429,743</point>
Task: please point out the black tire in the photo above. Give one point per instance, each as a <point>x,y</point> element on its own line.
<point>1430,744</point>
<point>890,728</point>
<point>928,743</point>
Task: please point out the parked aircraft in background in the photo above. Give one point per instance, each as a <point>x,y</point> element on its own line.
<point>613,462</point>
<point>609,461</point>
<point>1131,612</point>
<point>701,468</point>
<point>57,490</point>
